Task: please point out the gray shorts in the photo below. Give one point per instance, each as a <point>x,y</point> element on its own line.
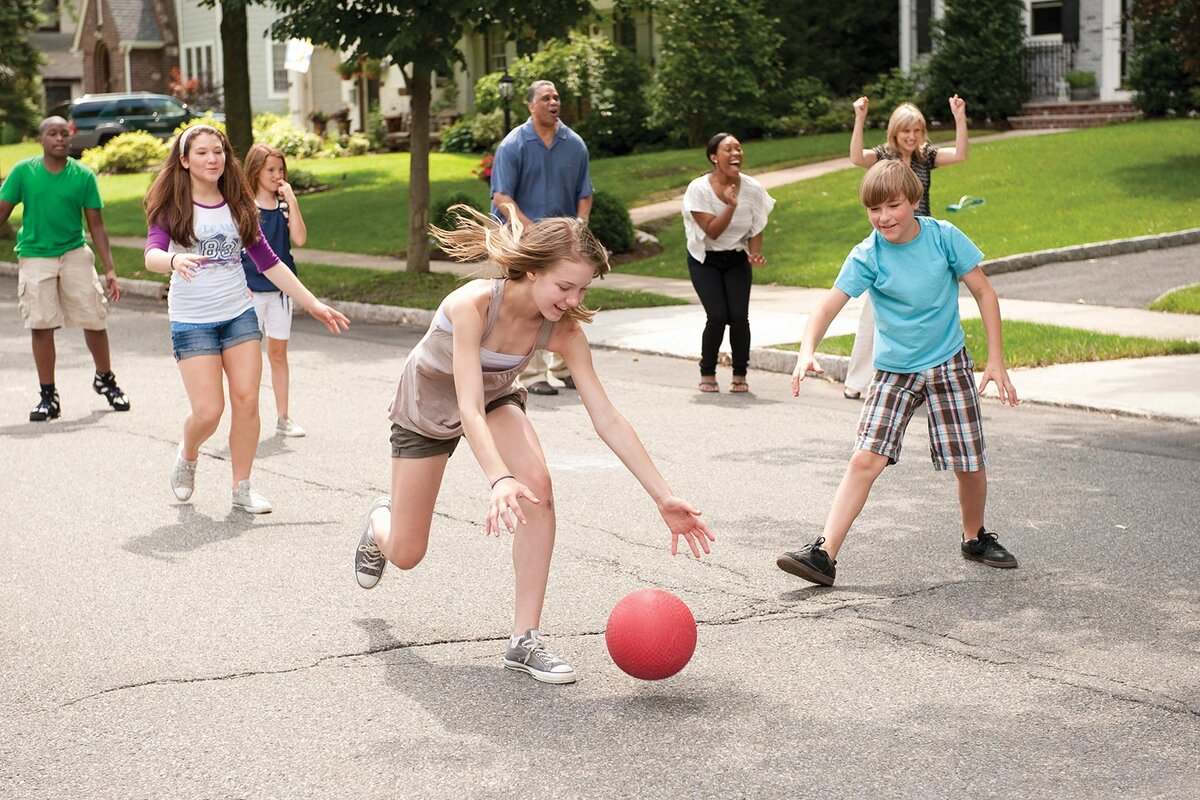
<point>410,444</point>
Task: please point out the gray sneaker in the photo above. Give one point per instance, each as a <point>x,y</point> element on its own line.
<point>368,559</point>
<point>249,500</point>
<point>530,655</point>
<point>284,426</point>
<point>183,476</point>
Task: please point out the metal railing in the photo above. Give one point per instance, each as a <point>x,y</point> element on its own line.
<point>1044,66</point>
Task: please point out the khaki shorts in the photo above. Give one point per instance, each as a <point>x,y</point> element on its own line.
<point>410,444</point>
<point>62,292</point>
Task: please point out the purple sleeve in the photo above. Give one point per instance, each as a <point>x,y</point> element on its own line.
<point>157,238</point>
<point>261,253</point>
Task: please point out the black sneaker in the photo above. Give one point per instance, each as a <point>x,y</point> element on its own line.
<point>987,550</point>
<point>47,407</point>
<point>106,385</point>
<point>810,562</point>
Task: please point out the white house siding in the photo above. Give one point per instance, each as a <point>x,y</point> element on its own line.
<point>258,51</point>
<point>201,27</point>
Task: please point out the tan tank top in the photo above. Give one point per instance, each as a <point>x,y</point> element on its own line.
<point>425,399</point>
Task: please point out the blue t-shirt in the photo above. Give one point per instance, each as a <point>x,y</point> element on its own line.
<point>274,224</point>
<point>914,287</point>
<point>544,181</point>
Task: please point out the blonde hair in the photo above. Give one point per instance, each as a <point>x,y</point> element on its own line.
<point>517,249</point>
<point>887,180</point>
<point>906,115</point>
<point>256,161</point>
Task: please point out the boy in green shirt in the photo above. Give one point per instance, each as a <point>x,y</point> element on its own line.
<point>57,280</point>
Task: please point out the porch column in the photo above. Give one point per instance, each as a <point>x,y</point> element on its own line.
<point>1109,78</point>
<point>907,35</point>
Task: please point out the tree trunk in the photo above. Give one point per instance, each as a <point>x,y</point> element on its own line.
<point>237,76</point>
<point>419,91</point>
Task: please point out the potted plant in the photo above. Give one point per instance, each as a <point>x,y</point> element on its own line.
<point>342,118</point>
<point>318,118</point>
<point>1082,83</point>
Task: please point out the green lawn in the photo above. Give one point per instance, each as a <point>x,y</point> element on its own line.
<point>1180,301</point>
<point>1030,344</point>
<point>1042,191</point>
<point>366,209</point>
<point>384,287</point>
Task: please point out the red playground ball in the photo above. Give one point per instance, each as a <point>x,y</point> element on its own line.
<point>651,634</point>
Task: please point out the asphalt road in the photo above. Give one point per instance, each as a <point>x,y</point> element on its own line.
<point>1133,280</point>
<point>159,649</point>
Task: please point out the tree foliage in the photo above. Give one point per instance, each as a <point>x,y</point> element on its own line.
<point>20,83</point>
<point>842,44</point>
<point>1164,70</point>
<point>977,53</point>
<point>718,67</point>
<point>422,37</point>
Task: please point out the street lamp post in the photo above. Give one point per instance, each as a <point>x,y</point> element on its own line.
<point>506,94</point>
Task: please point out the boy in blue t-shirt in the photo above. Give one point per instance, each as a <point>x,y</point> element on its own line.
<point>911,266</point>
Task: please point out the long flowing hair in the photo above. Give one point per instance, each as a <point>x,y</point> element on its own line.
<point>168,202</point>
<point>517,249</point>
<point>256,161</point>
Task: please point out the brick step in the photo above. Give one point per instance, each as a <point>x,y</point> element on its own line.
<point>1070,120</point>
<point>1085,107</point>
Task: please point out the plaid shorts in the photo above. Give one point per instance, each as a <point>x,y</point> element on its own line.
<point>955,427</point>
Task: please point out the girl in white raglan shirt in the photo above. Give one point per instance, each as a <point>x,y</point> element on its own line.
<point>201,213</point>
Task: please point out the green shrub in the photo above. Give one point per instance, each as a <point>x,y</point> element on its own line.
<point>458,138</point>
<point>207,119</point>
<point>611,223</point>
<point>302,179</point>
<point>888,90</point>
<point>978,50</point>
<point>357,145</point>
<point>1080,79</point>
<point>277,131</point>
<point>136,151</point>
<point>1157,68</point>
<point>487,129</point>
<point>440,214</point>
<point>376,128</point>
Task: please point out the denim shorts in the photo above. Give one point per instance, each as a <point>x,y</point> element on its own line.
<point>213,338</point>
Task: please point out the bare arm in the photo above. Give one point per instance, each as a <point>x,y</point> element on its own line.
<point>583,209</point>
<point>962,143</point>
<point>818,322</point>
<point>6,209</point>
<point>297,230</point>
<point>715,224</point>
<point>860,157</point>
<point>95,223</point>
<point>501,200</point>
<point>989,310</point>
<point>290,285</point>
<point>681,517</point>
<point>467,311</point>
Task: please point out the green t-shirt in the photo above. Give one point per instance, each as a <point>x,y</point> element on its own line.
<point>52,221</point>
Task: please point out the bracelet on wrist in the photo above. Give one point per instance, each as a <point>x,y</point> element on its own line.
<point>502,478</point>
<point>173,261</point>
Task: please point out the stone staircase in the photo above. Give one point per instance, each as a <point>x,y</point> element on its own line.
<point>1079,114</point>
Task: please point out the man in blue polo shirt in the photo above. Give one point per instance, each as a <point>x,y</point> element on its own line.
<point>541,169</point>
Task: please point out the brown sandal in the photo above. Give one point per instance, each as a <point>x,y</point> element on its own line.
<point>739,386</point>
<point>709,385</point>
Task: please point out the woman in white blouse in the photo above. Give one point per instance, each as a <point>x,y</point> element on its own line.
<point>724,214</point>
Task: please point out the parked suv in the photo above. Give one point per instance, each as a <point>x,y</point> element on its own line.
<point>96,118</point>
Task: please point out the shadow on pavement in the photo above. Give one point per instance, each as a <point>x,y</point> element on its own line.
<point>195,530</point>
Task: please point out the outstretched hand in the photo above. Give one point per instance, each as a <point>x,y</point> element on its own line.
<point>804,364</point>
<point>684,520</point>
<point>503,505</point>
<point>861,105</point>
<point>331,317</point>
<point>958,106</point>
<point>1004,387</point>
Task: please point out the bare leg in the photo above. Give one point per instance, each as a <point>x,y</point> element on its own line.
<point>280,374</point>
<point>403,535</point>
<point>533,544</point>
<point>851,496</point>
<point>243,368</point>
<point>205,387</point>
<point>44,355</point>
<point>972,499</point>
<point>97,344</point>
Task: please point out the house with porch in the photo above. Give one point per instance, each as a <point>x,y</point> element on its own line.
<point>1061,36</point>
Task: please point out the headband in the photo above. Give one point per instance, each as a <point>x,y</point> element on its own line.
<point>183,137</point>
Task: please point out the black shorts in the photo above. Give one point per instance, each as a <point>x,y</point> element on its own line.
<point>410,444</point>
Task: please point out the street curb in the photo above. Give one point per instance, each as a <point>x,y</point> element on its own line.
<point>152,289</point>
<point>1083,252</point>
